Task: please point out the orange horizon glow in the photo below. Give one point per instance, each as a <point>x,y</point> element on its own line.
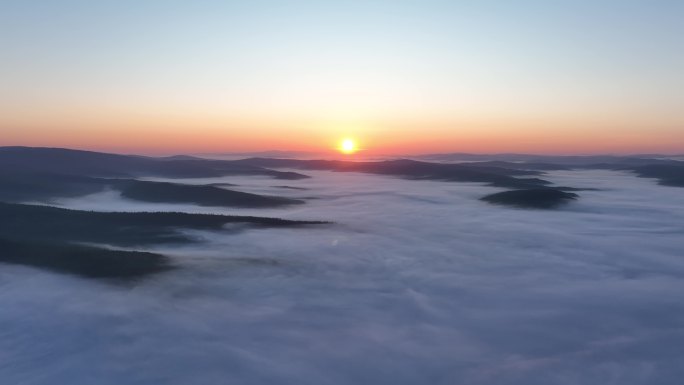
<point>400,143</point>
<point>407,79</point>
<point>189,131</point>
<point>195,132</point>
<point>176,135</point>
<point>158,131</point>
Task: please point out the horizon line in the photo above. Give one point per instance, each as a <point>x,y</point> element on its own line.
<point>358,154</point>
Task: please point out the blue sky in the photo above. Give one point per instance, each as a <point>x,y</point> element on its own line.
<point>501,65</point>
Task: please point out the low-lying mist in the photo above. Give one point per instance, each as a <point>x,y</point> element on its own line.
<point>416,282</point>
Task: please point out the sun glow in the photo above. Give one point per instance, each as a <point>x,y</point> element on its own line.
<point>348,146</point>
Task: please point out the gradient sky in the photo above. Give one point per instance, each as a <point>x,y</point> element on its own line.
<point>401,76</point>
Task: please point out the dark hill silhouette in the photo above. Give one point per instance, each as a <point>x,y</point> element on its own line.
<point>33,222</point>
<point>669,170</point>
<point>564,160</point>
<point>536,166</point>
<point>88,163</point>
<point>46,237</point>
<point>18,186</point>
<point>64,161</point>
<point>86,261</point>
<point>539,198</point>
<point>44,187</point>
<point>412,169</point>
<point>667,174</point>
<point>198,194</point>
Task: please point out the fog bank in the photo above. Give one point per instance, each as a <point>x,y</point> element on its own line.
<point>417,282</point>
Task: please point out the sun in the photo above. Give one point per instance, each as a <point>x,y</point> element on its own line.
<point>348,146</point>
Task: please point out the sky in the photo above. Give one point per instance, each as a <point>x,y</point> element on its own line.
<point>398,76</point>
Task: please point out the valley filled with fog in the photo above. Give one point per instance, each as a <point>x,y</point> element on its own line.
<point>412,282</point>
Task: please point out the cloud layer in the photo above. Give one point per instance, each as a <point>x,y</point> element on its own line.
<point>417,282</point>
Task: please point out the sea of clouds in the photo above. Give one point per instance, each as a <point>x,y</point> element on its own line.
<point>416,282</point>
